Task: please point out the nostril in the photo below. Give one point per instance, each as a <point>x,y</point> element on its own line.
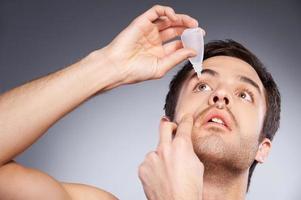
<point>226,100</point>
<point>215,99</point>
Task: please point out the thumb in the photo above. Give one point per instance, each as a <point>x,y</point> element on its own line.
<point>170,61</point>
<point>185,126</point>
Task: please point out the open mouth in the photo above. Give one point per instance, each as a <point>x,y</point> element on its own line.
<point>217,120</point>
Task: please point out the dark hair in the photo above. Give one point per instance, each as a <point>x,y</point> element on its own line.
<point>233,49</point>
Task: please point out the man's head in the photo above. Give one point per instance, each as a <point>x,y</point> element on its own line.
<point>235,103</point>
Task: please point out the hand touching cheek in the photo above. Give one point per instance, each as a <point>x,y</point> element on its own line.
<point>173,172</point>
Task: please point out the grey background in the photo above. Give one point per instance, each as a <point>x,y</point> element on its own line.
<point>103,141</point>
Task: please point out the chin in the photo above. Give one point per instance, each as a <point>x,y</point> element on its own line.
<point>214,150</point>
<point>209,145</point>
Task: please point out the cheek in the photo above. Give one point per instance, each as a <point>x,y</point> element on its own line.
<point>191,103</point>
<point>249,118</point>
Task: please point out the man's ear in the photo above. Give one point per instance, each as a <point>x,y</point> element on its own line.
<point>263,150</point>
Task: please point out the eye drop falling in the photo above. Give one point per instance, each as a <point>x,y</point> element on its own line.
<point>193,38</point>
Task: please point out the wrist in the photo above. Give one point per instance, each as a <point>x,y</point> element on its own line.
<point>102,73</point>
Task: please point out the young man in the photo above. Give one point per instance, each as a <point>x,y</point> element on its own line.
<point>233,114</point>
<point>196,156</point>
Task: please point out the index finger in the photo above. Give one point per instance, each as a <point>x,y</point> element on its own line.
<point>185,127</point>
<point>157,11</point>
<point>184,21</point>
<point>166,131</point>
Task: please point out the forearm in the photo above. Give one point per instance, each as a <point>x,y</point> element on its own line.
<point>26,112</point>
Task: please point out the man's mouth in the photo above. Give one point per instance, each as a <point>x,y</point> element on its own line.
<point>217,122</point>
<point>218,118</point>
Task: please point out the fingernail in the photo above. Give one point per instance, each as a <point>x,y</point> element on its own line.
<point>196,23</point>
<point>165,119</point>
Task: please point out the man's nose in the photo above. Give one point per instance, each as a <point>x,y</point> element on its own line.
<point>220,98</point>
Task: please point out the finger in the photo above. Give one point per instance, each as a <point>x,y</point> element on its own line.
<point>163,23</point>
<point>168,62</point>
<point>202,31</point>
<point>172,46</point>
<point>184,21</point>
<point>171,33</point>
<point>185,127</point>
<point>151,157</point>
<point>157,11</point>
<point>166,130</point>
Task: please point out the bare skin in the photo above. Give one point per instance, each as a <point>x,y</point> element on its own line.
<point>173,171</point>
<point>138,53</point>
<point>226,154</point>
<point>206,160</point>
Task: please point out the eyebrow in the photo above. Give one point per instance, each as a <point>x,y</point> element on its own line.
<point>215,73</point>
<point>249,81</point>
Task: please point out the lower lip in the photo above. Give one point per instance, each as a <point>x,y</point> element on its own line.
<point>208,124</point>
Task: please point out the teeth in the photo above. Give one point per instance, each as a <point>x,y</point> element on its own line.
<point>217,120</point>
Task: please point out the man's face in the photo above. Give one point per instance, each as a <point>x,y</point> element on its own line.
<point>228,105</point>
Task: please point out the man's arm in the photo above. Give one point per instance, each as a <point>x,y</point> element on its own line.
<point>26,112</point>
<point>138,53</point>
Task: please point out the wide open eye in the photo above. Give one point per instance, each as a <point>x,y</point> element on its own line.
<point>246,96</point>
<point>203,87</point>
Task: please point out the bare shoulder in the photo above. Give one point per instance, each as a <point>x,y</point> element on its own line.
<point>21,183</point>
<point>86,192</point>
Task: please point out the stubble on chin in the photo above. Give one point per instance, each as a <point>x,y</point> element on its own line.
<point>216,153</point>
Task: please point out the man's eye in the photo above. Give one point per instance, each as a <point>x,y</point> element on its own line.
<point>203,87</point>
<point>246,96</point>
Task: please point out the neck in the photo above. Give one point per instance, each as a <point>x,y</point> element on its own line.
<point>219,183</point>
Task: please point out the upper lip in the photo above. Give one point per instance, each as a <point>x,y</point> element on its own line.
<point>224,116</point>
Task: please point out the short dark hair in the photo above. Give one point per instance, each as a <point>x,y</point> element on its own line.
<point>233,49</point>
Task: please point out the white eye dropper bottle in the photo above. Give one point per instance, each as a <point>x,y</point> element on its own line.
<point>194,38</point>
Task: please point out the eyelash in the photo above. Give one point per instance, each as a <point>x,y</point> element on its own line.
<point>198,84</point>
<point>247,91</point>
<point>240,90</point>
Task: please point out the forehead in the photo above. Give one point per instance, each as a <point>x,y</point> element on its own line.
<point>230,68</point>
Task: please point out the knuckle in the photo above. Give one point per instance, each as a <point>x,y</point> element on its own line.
<point>157,6</point>
<point>151,158</point>
<point>160,148</point>
<point>185,16</point>
<point>170,9</point>
<point>142,171</point>
<point>160,74</point>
